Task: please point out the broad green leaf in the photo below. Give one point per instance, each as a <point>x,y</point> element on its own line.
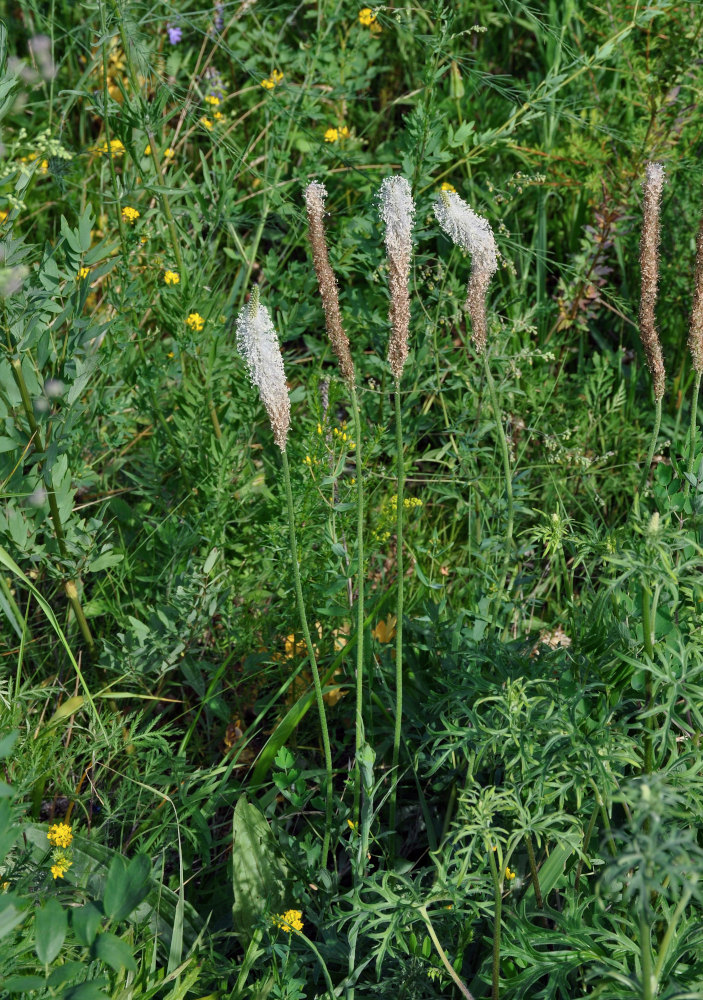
<point>49,931</point>
<point>6,744</point>
<point>87,991</point>
<point>85,921</point>
<point>114,952</point>
<point>12,913</point>
<point>258,873</point>
<point>126,886</point>
<point>22,984</point>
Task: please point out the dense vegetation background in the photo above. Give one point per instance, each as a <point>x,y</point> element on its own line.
<point>164,805</point>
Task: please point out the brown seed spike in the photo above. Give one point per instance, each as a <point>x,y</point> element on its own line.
<point>315,194</point>
<point>397,210</point>
<point>649,266</point>
<point>695,332</point>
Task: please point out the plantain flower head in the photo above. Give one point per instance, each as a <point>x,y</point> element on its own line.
<point>397,209</point>
<point>472,233</point>
<point>257,342</point>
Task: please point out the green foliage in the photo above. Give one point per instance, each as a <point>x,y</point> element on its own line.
<point>156,695</point>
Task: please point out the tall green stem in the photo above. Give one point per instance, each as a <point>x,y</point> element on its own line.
<point>311,657</point>
<point>646,959</point>
<point>359,740</point>
<point>692,431</point>
<point>652,445</point>
<point>400,474</point>
<point>69,586</point>
<point>648,764</point>
<point>497,916</point>
<point>507,473</point>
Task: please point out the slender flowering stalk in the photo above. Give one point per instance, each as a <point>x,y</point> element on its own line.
<point>258,344</point>
<point>474,234</point>
<point>649,266</point>
<point>397,210</point>
<point>695,344</point>
<point>315,194</point>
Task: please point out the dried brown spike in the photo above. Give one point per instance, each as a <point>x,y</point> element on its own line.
<point>695,331</point>
<point>649,265</point>
<point>315,194</point>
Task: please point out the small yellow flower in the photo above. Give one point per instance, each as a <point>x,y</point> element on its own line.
<point>211,99</point>
<point>276,76</point>
<point>196,322</point>
<point>130,214</point>
<point>218,116</point>
<point>147,151</point>
<point>366,17</point>
<point>83,272</point>
<point>115,147</point>
<point>352,826</point>
<point>206,123</point>
<point>170,354</point>
<point>168,153</point>
<point>448,187</point>
<point>509,874</point>
<point>331,135</point>
<point>291,920</point>
<point>171,278</point>
<point>61,867</point>
<point>268,84</point>
<point>3,216</point>
<point>44,167</point>
<point>60,835</point>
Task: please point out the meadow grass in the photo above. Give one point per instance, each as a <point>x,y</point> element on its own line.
<point>364,660</point>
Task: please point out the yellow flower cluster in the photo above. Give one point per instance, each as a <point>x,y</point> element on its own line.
<point>171,278</point>
<point>60,835</point>
<point>334,134</point>
<point>147,151</point>
<point>368,19</point>
<point>211,99</point>
<point>272,80</point>
<point>509,874</point>
<point>61,867</point>
<point>448,187</point>
<point>195,321</point>
<point>3,216</point>
<point>342,435</point>
<point>206,123</point>
<point>291,920</point>
<point>114,147</point>
<point>83,272</point>
<point>130,214</point>
<point>168,153</point>
<point>408,502</point>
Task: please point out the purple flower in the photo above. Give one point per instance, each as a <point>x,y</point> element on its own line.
<point>219,19</point>
<point>174,33</point>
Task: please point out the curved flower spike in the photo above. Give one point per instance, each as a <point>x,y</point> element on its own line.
<point>258,344</point>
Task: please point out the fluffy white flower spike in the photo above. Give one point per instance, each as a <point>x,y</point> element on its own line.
<point>474,234</point>
<point>258,344</point>
<point>396,208</point>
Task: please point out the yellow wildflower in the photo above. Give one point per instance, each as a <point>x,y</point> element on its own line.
<point>196,322</point>
<point>171,278</point>
<point>448,187</point>
<point>61,867</point>
<point>291,920</point>
<point>206,123</point>
<point>130,214</point>
<point>218,116</point>
<point>168,153</point>
<point>366,17</point>
<point>83,272</point>
<point>60,835</point>
<point>3,216</point>
<point>344,132</point>
<point>352,826</point>
<point>272,80</point>
<point>211,99</point>
<point>115,147</point>
<point>267,84</point>
<point>331,135</point>
<point>147,151</point>
<point>509,874</point>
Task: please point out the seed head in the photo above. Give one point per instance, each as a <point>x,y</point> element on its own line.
<point>695,332</point>
<point>396,208</point>
<point>649,266</point>
<point>474,234</point>
<point>315,194</point>
<point>258,344</point>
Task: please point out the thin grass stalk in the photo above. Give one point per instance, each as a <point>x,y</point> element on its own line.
<point>359,727</point>
<point>311,658</point>
<point>648,981</point>
<point>400,475</point>
<point>648,756</point>
<point>497,916</point>
<point>70,588</point>
<point>692,430</point>
<point>442,954</point>
<point>652,444</point>
<point>507,473</point>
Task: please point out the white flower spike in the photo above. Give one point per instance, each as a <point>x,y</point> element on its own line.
<point>258,344</point>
